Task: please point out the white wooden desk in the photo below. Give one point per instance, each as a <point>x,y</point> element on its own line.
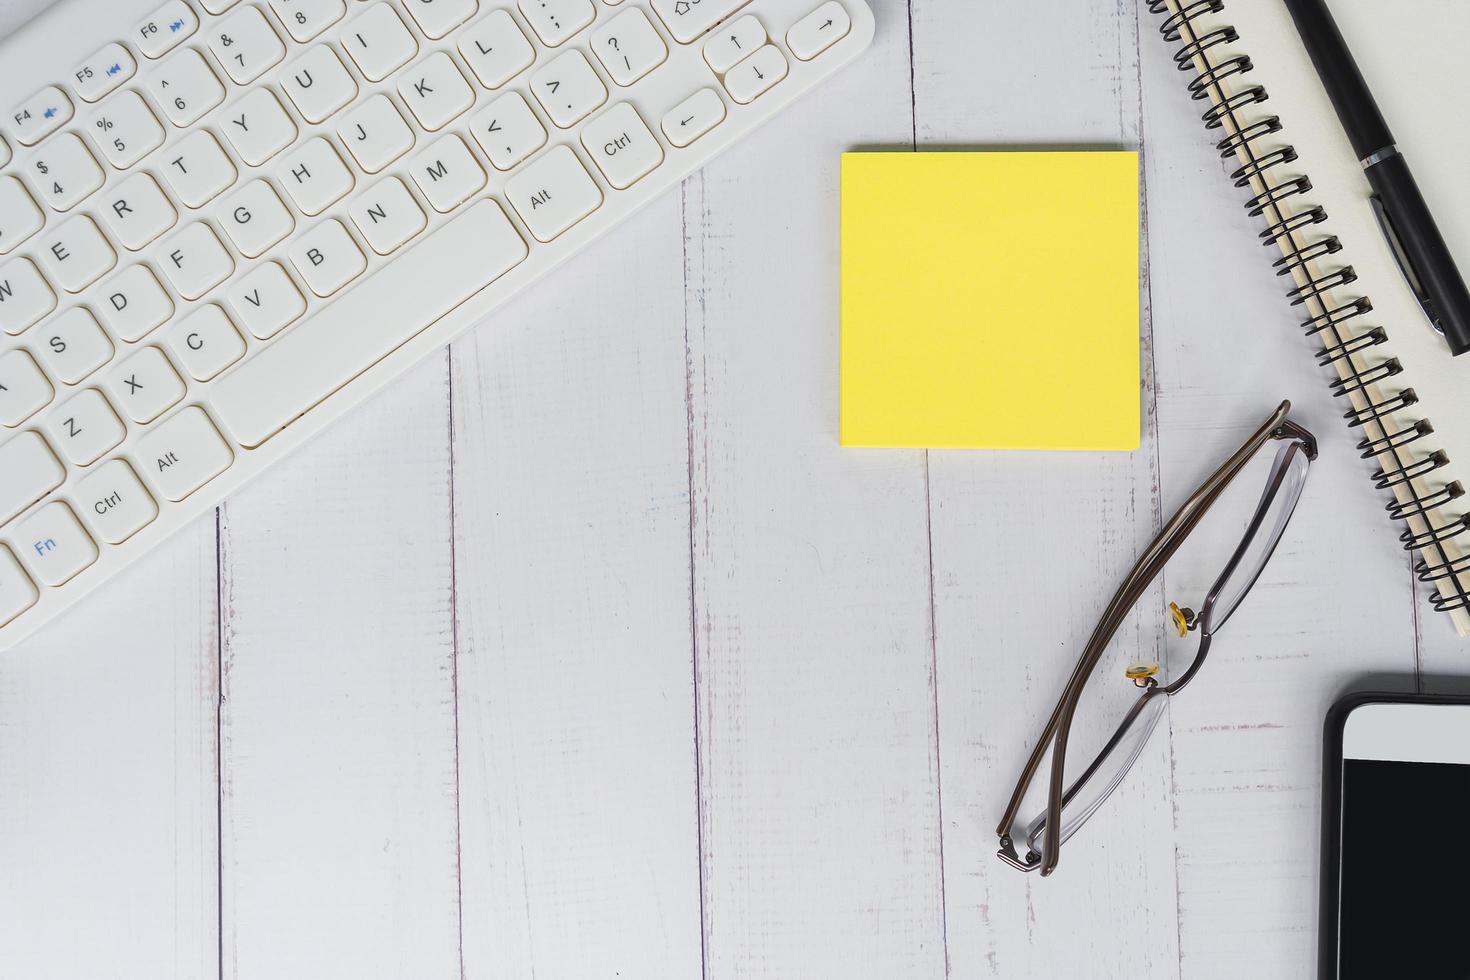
<point>587,653</point>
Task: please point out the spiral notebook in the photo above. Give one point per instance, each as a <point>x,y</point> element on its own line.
<point>1402,393</point>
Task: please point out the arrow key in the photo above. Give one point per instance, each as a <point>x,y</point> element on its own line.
<point>695,116</point>
<point>819,30</point>
<point>756,75</point>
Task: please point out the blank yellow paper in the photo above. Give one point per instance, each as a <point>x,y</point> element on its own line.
<point>990,300</point>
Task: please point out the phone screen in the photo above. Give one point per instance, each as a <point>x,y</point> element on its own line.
<point>1405,858</point>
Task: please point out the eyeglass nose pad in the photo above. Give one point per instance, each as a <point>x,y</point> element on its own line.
<point>1142,673</point>
<point>1184,619</point>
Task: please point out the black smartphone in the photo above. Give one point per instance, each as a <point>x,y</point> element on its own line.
<point>1395,843</point>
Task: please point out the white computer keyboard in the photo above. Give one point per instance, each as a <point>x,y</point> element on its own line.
<point>225,222</point>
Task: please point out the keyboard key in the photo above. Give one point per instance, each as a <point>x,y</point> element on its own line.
<point>629,47</point>
<point>556,20</point>
<point>126,130</point>
<point>387,215</point>
<point>195,262</point>
<point>164,28</point>
<point>4,152</point>
<point>133,304</point>
<point>496,49</point>
<point>24,390</point>
<point>508,131</point>
<point>568,89</point>
<point>24,296</point>
<point>146,385</point>
<point>75,255</point>
<point>314,176</point>
<point>103,72</point>
<point>553,193</point>
<point>437,18</point>
<point>317,357</point>
<point>621,146</point>
<point>265,300</point>
<point>327,257</point>
<point>20,218</point>
<point>73,345</point>
<point>818,30</point>
<point>137,212</point>
<point>184,453</point>
<point>17,591</point>
<point>198,169</point>
<point>65,172</point>
<point>53,544</point>
<point>115,502</point>
<point>40,115</point>
<point>186,88</point>
<point>755,75</point>
<point>305,19</point>
<point>257,127</point>
<point>687,21</point>
<point>447,173</point>
<point>435,91</point>
<point>28,471</point>
<point>206,343</point>
<point>695,116</point>
<point>375,134</point>
<point>255,219</point>
<point>379,43</point>
<point>733,42</point>
<point>245,45</point>
<point>318,84</point>
<point>86,427</point>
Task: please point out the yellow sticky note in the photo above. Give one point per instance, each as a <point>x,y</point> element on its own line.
<point>990,300</point>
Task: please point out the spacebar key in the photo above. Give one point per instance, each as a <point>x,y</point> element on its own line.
<point>380,314</point>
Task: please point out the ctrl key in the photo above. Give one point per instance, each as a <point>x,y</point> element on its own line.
<point>54,545</point>
<point>17,592</point>
<point>184,453</point>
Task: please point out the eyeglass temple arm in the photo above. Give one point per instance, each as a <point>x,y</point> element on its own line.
<point>1144,570</point>
<point>1183,522</point>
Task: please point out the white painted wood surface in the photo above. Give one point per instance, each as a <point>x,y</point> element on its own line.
<point>586,652</point>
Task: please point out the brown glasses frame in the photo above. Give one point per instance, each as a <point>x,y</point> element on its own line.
<point>1148,567</point>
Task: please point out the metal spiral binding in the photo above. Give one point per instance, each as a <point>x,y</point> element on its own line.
<point>1339,347</point>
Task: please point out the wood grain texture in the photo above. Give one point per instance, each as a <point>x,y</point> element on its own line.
<point>338,831</point>
<point>812,618</point>
<point>579,795</point>
<point>1011,619</point>
<point>107,780</point>
<point>586,652</point>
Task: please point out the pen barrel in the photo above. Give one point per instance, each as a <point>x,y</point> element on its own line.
<point>1366,128</point>
<point>1427,257</point>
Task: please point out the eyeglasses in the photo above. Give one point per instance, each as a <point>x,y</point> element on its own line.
<point>1069,806</point>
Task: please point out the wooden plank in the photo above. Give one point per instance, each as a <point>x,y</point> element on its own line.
<point>1028,548</point>
<point>337,802</point>
<point>579,795</point>
<point>820,822</point>
<point>107,756</point>
<point>1333,605</point>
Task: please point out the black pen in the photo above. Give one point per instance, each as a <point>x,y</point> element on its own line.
<point>1412,235</point>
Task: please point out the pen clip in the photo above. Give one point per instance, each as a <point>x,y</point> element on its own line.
<point>1395,245</point>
